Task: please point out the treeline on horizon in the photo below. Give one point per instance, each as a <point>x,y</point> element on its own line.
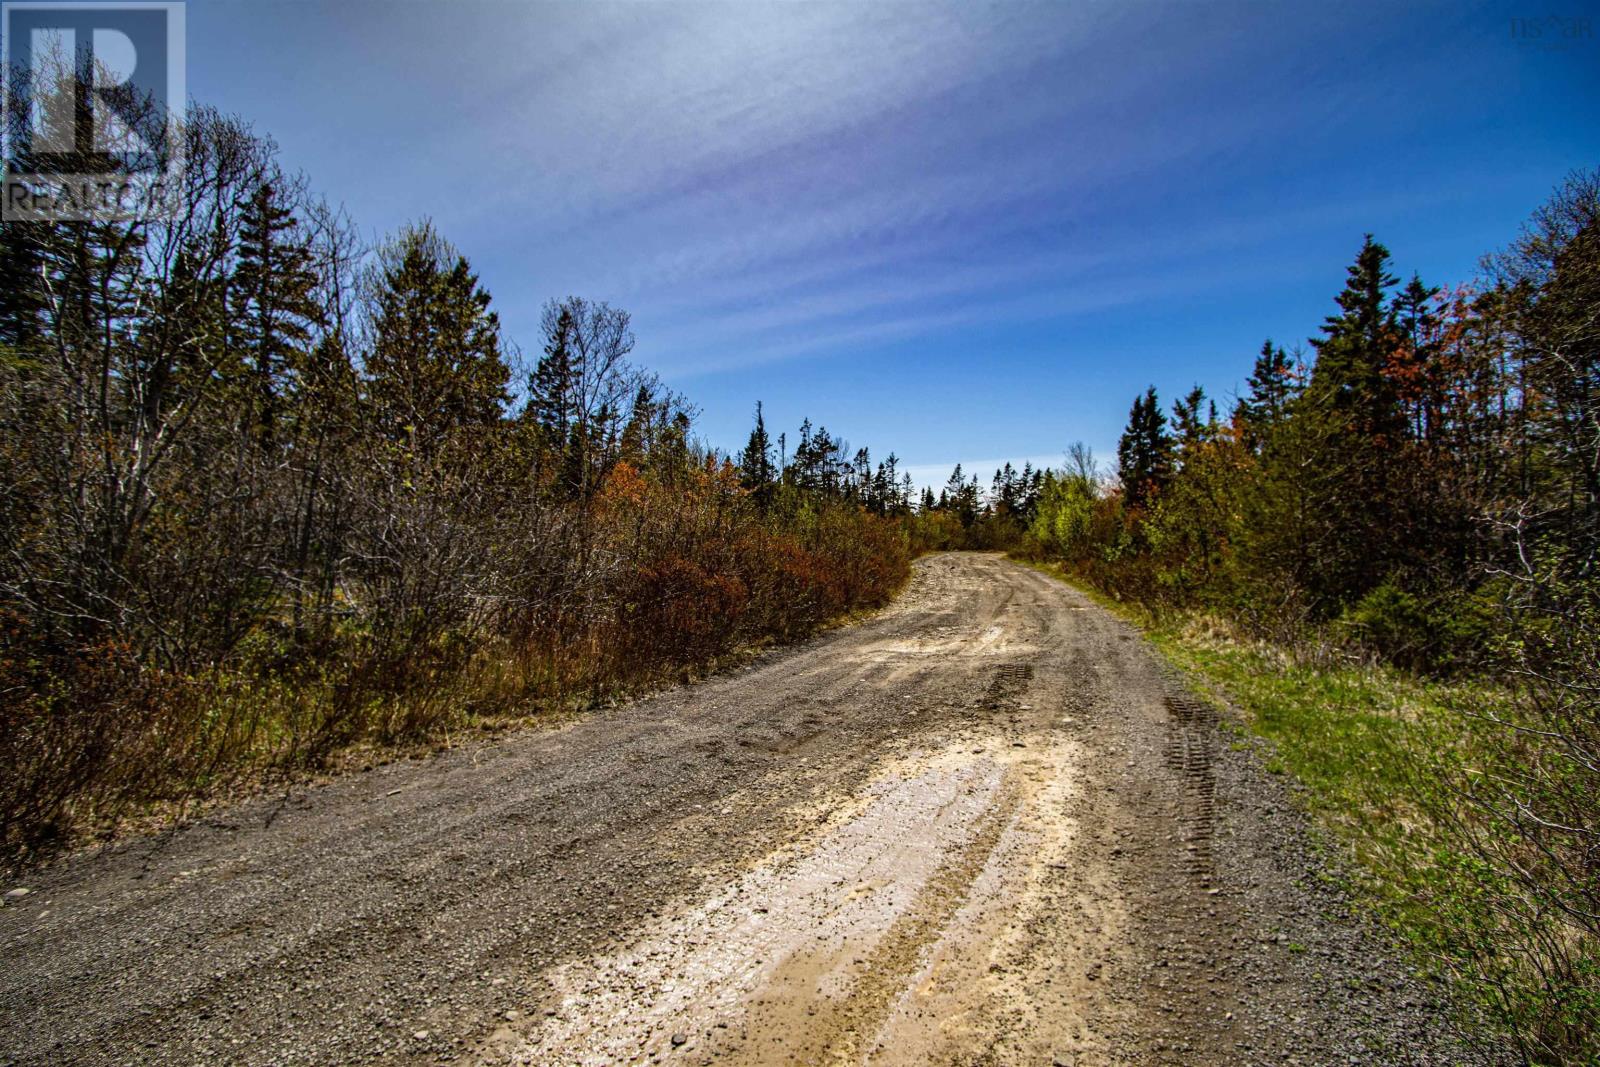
<point>267,494</point>
<point>1421,487</point>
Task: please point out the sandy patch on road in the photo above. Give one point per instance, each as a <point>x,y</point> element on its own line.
<point>901,930</point>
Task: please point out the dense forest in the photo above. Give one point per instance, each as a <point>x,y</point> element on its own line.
<point>267,495</point>
<point>1418,487</point>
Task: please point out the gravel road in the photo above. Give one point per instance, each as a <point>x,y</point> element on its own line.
<point>984,826</point>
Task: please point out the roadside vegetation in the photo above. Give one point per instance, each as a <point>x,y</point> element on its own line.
<point>1381,755</point>
<point>1384,552</point>
<point>268,495</point>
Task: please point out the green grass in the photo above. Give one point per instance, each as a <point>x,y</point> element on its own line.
<point>1373,753</point>
<point>1359,740</point>
<point>1379,754</point>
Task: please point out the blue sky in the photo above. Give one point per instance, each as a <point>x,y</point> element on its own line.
<point>959,231</point>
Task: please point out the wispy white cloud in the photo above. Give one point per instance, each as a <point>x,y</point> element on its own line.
<point>1085,196</point>
<point>771,181</point>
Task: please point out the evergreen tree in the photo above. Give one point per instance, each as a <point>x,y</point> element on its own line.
<point>1342,451</point>
<point>860,487</point>
<point>889,495</point>
<point>1349,378</point>
<point>435,363</point>
<point>1272,388</point>
<point>638,435</point>
<point>551,403</point>
<point>22,299</point>
<point>1414,361</point>
<point>275,305</point>
<point>962,496</point>
<point>830,461</point>
<point>1144,453</point>
<point>1030,482</point>
<point>954,486</point>
<point>1002,489</point>
<point>801,471</point>
<point>1192,427</point>
<point>756,472</point>
<point>819,465</point>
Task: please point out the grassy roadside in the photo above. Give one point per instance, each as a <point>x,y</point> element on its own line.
<point>1380,755</point>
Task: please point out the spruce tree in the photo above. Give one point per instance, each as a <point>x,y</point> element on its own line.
<point>550,387</point>
<point>860,478</point>
<point>954,486</point>
<point>756,472</point>
<point>275,305</point>
<point>1144,453</point>
<point>435,363</point>
<point>802,470</point>
<point>1192,427</point>
<point>1415,360</point>
<point>1348,444</point>
<point>1272,387</point>
<point>1349,377</point>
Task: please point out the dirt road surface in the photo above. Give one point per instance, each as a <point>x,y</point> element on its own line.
<point>982,827</point>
